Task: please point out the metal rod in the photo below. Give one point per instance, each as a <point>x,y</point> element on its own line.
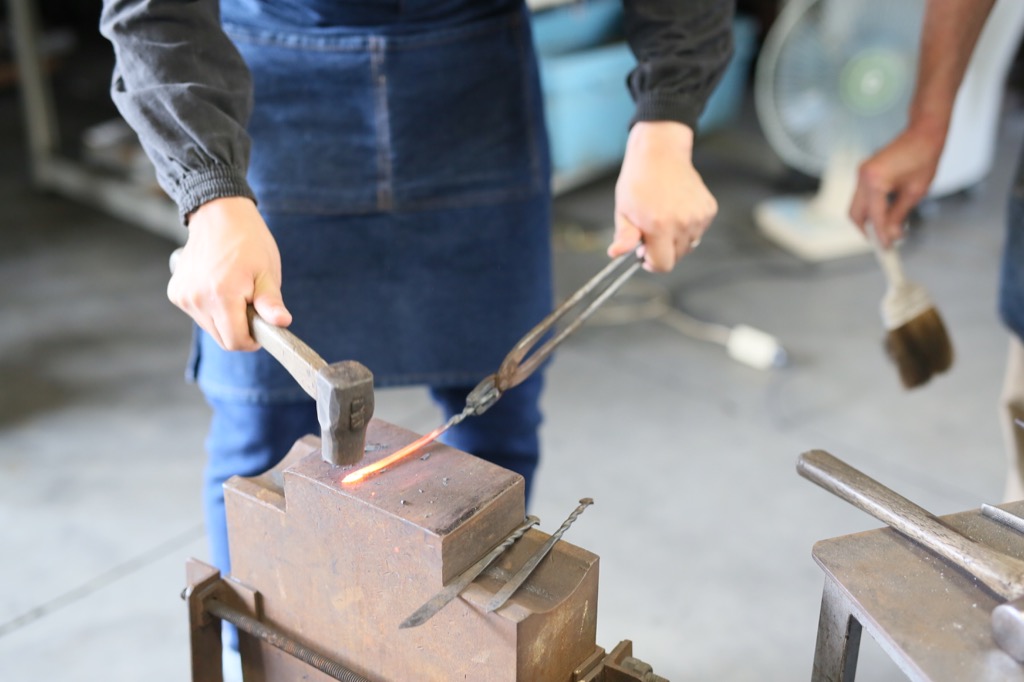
<point>519,578</point>
<point>1004,517</point>
<point>454,588</point>
<point>275,637</point>
<point>37,96</point>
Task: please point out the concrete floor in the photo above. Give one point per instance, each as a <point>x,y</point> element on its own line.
<point>703,527</point>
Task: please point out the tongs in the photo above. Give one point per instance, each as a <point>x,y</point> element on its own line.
<point>525,357</point>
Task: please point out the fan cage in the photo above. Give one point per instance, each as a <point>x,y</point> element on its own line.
<point>835,72</point>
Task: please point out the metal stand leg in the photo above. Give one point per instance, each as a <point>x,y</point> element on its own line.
<point>51,171</point>
<point>204,630</point>
<point>835,654</point>
<point>37,100</point>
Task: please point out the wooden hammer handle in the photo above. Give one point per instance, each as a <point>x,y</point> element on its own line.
<point>1003,574</point>
<point>301,361</point>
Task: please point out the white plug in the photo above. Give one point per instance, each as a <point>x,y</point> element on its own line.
<point>755,348</point>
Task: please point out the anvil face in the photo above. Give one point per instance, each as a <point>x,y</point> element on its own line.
<point>339,567</point>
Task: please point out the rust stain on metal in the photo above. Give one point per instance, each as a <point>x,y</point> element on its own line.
<point>339,567</point>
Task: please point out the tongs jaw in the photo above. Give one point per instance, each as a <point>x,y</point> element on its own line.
<point>525,357</point>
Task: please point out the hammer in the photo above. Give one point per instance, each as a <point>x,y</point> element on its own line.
<point>1002,574</point>
<point>343,390</point>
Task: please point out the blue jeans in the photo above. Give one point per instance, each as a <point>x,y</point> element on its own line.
<point>1011,275</point>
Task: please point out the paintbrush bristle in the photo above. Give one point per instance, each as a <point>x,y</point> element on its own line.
<point>920,348</point>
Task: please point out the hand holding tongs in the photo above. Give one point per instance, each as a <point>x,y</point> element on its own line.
<point>524,358</point>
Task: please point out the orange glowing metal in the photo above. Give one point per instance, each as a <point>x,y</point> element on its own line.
<point>398,455</point>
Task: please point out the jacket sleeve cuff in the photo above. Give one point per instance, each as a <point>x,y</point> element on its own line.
<point>198,187</point>
<point>656,107</point>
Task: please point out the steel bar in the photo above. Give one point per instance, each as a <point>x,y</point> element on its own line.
<point>520,577</point>
<point>1003,574</point>
<point>275,637</point>
<point>1004,517</point>
<point>454,588</point>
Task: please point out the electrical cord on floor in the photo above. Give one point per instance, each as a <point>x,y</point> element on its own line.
<point>644,300</point>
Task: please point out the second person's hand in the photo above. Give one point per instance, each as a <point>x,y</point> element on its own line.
<point>229,261</point>
<point>892,182</point>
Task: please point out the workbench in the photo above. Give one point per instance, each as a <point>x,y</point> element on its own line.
<point>931,618</point>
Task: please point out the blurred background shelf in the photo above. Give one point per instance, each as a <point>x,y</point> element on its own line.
<point>583,61</point>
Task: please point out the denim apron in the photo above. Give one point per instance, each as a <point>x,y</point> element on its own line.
<point>1011,276</point>
<point>400,159</point>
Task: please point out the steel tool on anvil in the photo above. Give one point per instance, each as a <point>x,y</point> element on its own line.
<point>343,390</point>
<point>1001,573</point>
<point>455,587</point>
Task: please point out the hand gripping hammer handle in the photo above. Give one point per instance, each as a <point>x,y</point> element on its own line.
<point>343,391</point>
<point>301,361</point>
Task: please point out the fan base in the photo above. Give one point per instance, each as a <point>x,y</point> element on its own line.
<point>800,226</point>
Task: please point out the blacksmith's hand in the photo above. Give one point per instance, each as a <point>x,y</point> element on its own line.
<point>229,261</point>
<point>660,198</point>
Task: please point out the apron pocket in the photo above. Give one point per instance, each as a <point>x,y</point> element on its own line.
<point>350,123</point>
<point>466,118</point>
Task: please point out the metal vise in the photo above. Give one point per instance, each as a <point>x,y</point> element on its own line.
<point>323,574</point>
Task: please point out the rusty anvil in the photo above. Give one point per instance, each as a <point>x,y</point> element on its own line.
<point>323,574</point>
<point>338,567</point>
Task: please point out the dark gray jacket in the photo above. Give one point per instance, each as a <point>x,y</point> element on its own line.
<point>182,86</point>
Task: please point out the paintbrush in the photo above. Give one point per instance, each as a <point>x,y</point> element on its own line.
<point>916,339</point>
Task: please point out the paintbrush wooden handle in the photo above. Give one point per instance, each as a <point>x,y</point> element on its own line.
<point>888,258</point>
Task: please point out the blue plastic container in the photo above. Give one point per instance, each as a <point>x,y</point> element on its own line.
<point>584,64</point>
<point>579,26</point>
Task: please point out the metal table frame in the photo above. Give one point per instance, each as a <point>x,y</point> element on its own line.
<point>931,618</point>
<point>51,171</point>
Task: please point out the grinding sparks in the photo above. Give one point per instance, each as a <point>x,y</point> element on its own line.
<point>398,455</point>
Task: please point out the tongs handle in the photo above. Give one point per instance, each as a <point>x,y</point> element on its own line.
<point>517,367</point>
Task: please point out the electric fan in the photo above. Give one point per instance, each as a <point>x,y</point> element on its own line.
<point>832,85</point>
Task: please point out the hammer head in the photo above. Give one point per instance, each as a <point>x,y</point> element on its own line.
<point>344,406</point>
